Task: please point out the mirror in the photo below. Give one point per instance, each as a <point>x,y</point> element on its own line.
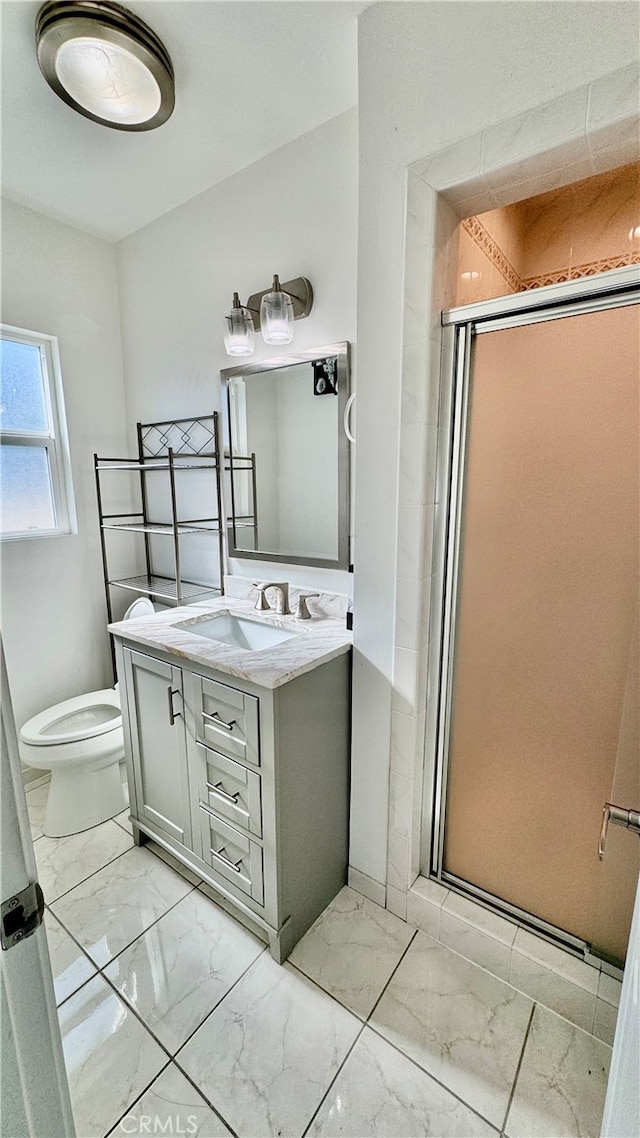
<point>289,458</point>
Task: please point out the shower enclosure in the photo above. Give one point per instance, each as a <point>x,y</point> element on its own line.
<point>537,634</point>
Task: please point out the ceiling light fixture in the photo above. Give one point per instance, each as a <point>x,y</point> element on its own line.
<point>272,311</point>
<point>106,63</point>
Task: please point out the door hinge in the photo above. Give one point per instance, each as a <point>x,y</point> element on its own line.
<point>21,915</point>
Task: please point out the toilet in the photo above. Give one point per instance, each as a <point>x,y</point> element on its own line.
<point>81,742</point>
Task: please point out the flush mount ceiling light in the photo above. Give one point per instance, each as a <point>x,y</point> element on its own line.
<point>106,63</point>
<point>271,311</point>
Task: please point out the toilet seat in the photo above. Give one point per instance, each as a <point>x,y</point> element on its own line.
<point>83,717</point>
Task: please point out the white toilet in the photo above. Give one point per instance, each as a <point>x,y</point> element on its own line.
<point>81,742</point>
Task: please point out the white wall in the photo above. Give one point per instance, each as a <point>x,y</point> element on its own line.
<point>293,213</point>
<point>62,282</point>
<point>429,74</point>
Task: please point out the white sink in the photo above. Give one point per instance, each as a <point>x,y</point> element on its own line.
<point>239,631</point>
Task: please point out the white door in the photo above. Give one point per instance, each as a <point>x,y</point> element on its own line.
<point>622,1104</point>
<point>34,1095</point>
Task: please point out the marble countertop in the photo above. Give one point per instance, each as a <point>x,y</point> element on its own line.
<point>174,631</point>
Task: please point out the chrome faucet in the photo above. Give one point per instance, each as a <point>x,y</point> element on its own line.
<point>282,596</point>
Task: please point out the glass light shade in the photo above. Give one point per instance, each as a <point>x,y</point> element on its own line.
<point>239,335</point>
<point>276,318</point>
<point>107,80</point>
<point>106,63</point>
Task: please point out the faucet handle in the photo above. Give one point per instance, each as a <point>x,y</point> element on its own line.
<point>302,612</point>
<point>262,603</point>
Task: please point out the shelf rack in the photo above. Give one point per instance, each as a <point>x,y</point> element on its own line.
<point>170,446</point>
<point>244,464</point>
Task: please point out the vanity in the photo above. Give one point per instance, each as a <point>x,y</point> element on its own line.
<point>237,754</point>
<point>237,721</point>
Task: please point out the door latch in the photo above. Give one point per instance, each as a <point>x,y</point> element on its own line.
<point>617,816</point>
<point>21,915</point>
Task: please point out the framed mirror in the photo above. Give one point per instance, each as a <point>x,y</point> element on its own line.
<point>289,458</point>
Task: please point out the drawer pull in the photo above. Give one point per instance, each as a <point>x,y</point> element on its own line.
<point>235,865</point>
<point>215,718</point>
<point>173,714</point>
<point>219,789</point>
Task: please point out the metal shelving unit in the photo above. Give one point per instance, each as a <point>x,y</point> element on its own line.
<point>166,448</point>
<point>244,464</point>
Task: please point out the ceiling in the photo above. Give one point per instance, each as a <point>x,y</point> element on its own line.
<point>250,77</point>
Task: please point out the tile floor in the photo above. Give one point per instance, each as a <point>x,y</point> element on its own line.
<point>175,1019</point>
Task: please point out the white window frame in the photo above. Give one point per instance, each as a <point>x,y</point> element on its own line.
<point>54,439</point>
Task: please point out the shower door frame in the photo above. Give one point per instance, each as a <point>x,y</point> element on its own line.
<point>460,326</point>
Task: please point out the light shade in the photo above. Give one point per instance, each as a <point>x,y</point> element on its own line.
<point>106,63</point>
<point>239,334</point>
<point>276,316</point>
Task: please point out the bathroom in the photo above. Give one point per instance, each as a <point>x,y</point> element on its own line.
<point>140,318</point>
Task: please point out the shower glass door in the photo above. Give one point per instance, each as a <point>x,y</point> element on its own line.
<point>539,718</point>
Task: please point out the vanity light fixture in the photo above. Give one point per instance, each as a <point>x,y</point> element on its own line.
<point>280,306</point>
<point>239,336</point>
<point>271,311</point>
<point>106,63</point>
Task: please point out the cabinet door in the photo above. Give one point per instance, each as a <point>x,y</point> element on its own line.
<point>158,743</point>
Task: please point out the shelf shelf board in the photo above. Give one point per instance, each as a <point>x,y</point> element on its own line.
<point>165,527</point>
<point>166,588</point>
<point>158,464</point>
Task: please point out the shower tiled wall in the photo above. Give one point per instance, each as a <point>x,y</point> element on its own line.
<point>587,227</point>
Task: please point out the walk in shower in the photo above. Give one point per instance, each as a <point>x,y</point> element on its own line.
<point>537,633</point>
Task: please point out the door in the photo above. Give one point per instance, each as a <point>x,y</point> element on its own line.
<point>622,1104</point>
<point>34,1095</point>
<point>543,579</point>
<point>158,745</point>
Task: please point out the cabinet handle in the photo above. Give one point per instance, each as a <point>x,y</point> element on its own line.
<point>173,715</point>
<point>219,789</point>
<point>235,865</point>
<point>218,722</point>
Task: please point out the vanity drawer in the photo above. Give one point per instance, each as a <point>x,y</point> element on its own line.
<point>232,855</point>
<point>230,789</point>
<point>227,720</point>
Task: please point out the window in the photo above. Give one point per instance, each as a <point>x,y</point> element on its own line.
<point>36,494</point>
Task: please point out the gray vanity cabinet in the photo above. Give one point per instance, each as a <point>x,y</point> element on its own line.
<point>247,786</point>
<point>156,736</point>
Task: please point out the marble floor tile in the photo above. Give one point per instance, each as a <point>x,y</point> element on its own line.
<point>267,1054</point>
<point>36,805</point>
<point>171,1106</point>
<point>562,1081</point>
<point>65,862</point>
<point>123,820</point>
<point>352,949</point>
<point>380,1092</point>
<point>110,1057</point>
<point>552,990</point>
<point>70,966</point>
<point>169,859</point>
<point>180,968</point>
<point>463,1025</point>
<point>109,910</point>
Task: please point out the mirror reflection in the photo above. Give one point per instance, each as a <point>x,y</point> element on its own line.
<point>289,458</point>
